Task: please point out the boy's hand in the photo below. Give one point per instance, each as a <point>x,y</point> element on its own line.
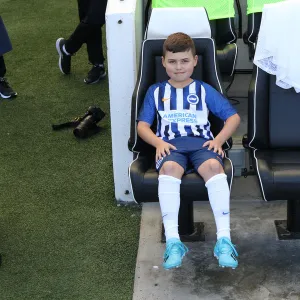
<point>214,145</point>
<point>163,149</point>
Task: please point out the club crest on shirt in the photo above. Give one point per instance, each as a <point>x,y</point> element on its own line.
<point>193,99</point>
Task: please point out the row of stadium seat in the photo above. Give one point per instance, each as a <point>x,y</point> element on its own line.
<point>272,138</point>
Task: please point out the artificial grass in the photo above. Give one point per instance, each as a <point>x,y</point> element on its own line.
<point>62,236</point>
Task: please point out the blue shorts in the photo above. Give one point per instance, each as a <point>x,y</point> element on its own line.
<point>190,152</point>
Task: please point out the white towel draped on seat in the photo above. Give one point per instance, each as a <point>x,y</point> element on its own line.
<point>278,44</point>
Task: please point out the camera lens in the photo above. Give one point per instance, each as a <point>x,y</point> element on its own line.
<point>88,126</point>
<point>82,130</point>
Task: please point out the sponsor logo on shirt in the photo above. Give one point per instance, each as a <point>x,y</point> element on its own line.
<point>193,99</point>
<point>180,116</point>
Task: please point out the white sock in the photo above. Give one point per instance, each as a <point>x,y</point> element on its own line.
<point>219,198</point>
<point>64,49</point>
<point>169,200</point>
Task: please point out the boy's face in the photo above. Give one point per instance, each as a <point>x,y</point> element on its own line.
<point>179,66</point>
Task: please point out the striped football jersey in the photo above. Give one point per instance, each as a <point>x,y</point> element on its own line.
<point>183,111</point>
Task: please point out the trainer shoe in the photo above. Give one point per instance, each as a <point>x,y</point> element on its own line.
<point>226,254</point>
<point>64,61</point>
<point>95,74</point>
<point>175,251</point>
<point>5,90</point>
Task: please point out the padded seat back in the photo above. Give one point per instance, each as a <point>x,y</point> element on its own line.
<point>273,136</point>
<point>223,31</point>
<point>254,12</point>
<point>198,25</point>
<point>221,19</point>
<point>254,21</point>
<point>273,117</point>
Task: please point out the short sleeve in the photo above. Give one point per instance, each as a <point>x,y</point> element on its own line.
<point>218,104</point>
<point>148,109</point>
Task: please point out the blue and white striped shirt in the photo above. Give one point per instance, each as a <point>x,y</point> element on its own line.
<point>184,111</point>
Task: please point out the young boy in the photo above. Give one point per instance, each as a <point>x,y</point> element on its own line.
<point>181,106</point>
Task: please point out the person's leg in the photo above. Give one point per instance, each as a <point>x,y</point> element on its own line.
<point>218,191</point>
<point>171,168</point>
<point>96,18</point>
<point>79,36</point>
<point>83,8</point>
<point>2,67</point>
<point>68,47</point>
<point>6,90</point>
<point>95,54</point>
<point>169,200</point>
<point>211,170</point>
<point>169,181</point>
<point>94,45</point>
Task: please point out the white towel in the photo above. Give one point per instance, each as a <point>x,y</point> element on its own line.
<point>278,43</point>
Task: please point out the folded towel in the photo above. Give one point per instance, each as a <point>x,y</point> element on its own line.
<point>278,44</point>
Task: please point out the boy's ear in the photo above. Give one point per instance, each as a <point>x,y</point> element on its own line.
<point>163,61</point>
<point>195,60</point>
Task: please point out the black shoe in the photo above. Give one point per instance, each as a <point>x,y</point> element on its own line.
<point>5,90</point>
<point>95,74</point>
<point>64,61</point>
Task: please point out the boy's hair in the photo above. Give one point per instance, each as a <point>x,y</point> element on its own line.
<point>179,42</point>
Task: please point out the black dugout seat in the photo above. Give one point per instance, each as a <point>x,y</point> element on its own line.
<point>274,140</point>
<point>251,35</point>
<point>224,33</point>
<point>142,173</point>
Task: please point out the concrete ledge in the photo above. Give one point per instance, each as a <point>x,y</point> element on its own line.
<point>268,268</point>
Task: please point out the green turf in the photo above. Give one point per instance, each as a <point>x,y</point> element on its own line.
<point>62,236</point>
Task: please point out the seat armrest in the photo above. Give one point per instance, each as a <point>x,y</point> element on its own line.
<point>141,164</point>
<point>137,171</point>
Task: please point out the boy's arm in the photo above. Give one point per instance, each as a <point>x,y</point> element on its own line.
<point>219,105</point>
<point>230,126</point>
<point>145,132</point>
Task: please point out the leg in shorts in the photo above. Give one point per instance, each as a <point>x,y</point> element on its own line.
<point>189,149</point>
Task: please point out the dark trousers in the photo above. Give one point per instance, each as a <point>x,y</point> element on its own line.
<point>89,30</point>
<point>2,67</point>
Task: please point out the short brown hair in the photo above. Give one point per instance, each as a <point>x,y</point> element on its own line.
<point>179,42</point>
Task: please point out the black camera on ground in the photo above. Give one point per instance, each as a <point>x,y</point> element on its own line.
<point>86,125</point>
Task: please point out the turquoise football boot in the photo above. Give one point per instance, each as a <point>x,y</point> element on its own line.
<point>226,254</point>
<point>175,251</point>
